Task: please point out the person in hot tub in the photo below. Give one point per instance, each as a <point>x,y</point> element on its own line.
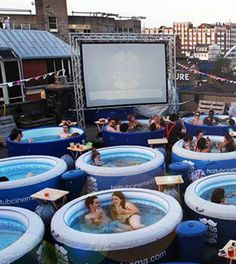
<point>133,123</point>
<point>125,211</point>
<point>228,145</point>
<point>96,217</point>
<point>96,158</point>
<point>65,133</point>
<point>212,120</point>
<point>218,196</point>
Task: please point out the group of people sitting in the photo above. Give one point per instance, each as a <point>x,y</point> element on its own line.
<point>202,144</point>
<point>115,124</point>
<point>211,119</point>
<point>17,135</point>
<point>124,215</point>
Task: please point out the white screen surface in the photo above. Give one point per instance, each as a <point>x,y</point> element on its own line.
<point>124,74</point>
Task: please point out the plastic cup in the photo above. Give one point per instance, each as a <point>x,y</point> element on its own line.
<point>72,144</point>
<point>230,252</point>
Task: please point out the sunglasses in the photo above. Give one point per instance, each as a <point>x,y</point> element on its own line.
<point>197,115</point>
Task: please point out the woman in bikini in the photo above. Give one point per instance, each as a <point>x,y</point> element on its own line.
<point>124,211</point>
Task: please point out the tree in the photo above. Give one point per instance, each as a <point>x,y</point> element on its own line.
<point>223,68</point>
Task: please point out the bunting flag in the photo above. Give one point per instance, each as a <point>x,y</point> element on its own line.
<point>191,69</point>
<point>36,78</point>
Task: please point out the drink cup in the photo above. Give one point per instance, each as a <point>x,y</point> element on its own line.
<point>72,144</point>
<point>230,251</point>
<point>46,194</point>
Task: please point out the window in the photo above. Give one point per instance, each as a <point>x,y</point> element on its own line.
<point>52,23</point>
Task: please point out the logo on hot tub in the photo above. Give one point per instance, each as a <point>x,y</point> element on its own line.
<point>92,185</point>
<point>61,253</point>
<point>211,236</point>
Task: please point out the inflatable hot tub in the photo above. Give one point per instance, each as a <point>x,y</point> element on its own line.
<point>220,218</point>
<point>27,175</point>
<point>21,234</point>
<point>139,137</point>
<point>210,163</point>
<point>154,243</point>
<point>220,129</point>
<point>44,141</point>
<point>124,167</point>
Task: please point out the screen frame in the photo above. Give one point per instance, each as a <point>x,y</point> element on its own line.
<point>130,104</point>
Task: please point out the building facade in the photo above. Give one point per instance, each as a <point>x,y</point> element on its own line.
<point>51,15</point>
<point>221,34</point>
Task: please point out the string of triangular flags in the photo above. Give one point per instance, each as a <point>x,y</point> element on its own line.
<point>43,76</point>
<point>191,69</point>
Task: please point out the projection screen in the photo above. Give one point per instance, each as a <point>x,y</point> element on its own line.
<point>124,73</point>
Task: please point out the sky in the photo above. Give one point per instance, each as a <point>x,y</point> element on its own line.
<point>157,12</point>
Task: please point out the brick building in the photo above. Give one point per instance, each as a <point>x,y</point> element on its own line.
<point>221,34</point>
<point>51,15</point>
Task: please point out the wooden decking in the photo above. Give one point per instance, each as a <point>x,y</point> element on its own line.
<point>205,106</point>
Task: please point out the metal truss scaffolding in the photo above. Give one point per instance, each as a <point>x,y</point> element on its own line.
<point>77,39</point>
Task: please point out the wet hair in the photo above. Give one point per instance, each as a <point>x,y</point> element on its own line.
<point>3,179</point>
<point>94,153</point>
<point>231,122</point>
<point>229,138</point>
<point>202,143</point>
<point>217,195</point>
<point>124,127</point>
<point>117,120</point>
<point>14,134</point>
<point>187,137</point>
<point>129,117</point>
<point>198,131</point>
<point>121,196</point>
<point>211,111</point>
<point>156,115</point>
<point>67,125</point>
<point>111,119</point>
<point>152,127</point>
<point>197,112</point>
<point>89,200</point>
<point>230,146</point>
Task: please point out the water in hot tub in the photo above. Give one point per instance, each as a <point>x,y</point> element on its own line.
<point>150,214</point>
<point>44,138</point>
<point>123,160</point>
<point>10,231</point>
<point>230,194</point>
<point>21,169</point>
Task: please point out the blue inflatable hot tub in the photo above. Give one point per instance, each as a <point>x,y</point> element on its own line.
<point>44,141</point>
<point>139,137</point>
<point>219,218</point>
<point>27,175</point>
<point>219,129</point>
<point>21,235</point>
<point>154,243</point>
<point>130,167</point>
<point>210,163</point>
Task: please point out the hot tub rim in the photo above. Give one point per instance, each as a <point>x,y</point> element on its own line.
<point>31,238</point>
<point>152,232</point>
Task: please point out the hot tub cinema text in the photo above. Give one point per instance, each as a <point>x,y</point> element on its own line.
<point>15,200</point>
<point>149,260</point>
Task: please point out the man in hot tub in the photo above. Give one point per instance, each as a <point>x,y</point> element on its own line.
<point>212,120</point>
<point>97,217</point>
